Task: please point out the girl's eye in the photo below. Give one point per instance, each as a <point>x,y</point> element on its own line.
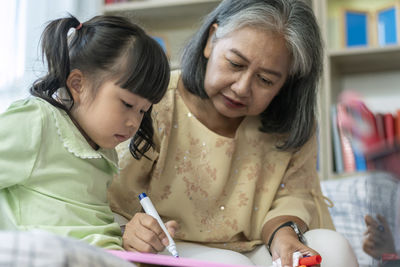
<point>126,104</point>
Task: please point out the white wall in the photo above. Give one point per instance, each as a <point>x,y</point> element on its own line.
<point>20,56</point>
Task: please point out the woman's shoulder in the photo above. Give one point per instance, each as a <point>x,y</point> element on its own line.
<point>174,79</point>
<point>167,102</point>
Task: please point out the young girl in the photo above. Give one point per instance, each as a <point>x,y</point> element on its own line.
<point>57,154</point>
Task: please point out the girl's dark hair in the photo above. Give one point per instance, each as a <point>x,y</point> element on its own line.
<point>293,111</point>
<point>104,47</point>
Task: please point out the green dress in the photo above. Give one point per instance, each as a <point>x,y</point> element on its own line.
<point>51,178</point>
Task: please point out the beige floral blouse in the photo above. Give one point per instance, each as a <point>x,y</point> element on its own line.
<point>220,190</point>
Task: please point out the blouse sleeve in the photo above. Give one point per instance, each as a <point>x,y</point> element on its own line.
<point>299,194</point>
<point>132,180</point>
<point>20,137</point>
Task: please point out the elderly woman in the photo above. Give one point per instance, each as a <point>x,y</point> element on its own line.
<point>233,163</point>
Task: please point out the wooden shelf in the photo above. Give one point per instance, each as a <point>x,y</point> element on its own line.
<point>357,60</point>
<point>173,20</point>
<point>162,9</point>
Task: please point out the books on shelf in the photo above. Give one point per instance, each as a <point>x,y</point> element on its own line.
<point>337,146</point>
<point>397,126</point>
<point>349,164</point>
<point>388,122</point>
<point>363,140</point>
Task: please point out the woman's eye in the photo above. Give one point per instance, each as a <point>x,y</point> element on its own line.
<point>126,104</point>
<point>265,81</point>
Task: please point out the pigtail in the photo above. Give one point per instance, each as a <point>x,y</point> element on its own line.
<point>56,53</point>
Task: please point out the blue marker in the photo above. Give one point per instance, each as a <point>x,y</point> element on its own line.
<point>149,209</point>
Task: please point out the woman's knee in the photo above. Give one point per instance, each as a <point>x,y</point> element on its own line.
<point>332,246</point>
<point>204,253</point>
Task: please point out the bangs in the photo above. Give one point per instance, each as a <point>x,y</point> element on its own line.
<point>147,70</point>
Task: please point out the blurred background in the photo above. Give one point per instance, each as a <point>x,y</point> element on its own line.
<point>22,24</point>
<point>358,101</point>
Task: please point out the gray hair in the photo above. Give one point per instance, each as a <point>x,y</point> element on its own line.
<point>292,112</point>
<point>266,17</point>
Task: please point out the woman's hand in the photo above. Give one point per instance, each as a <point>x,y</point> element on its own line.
<point>378,237</point>
<point>285,243</point>
<point>144,234</point>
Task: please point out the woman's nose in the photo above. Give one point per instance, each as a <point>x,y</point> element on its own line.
<point>242,85</point>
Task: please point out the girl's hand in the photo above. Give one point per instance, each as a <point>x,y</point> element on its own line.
<point>285,243</point>
<point>144,234</point>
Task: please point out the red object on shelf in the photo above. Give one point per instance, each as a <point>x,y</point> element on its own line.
<point>389,128</point>
<point>397,125</point>
<point>386,158</point>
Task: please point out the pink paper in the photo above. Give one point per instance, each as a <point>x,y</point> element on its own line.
<point>166,260</point>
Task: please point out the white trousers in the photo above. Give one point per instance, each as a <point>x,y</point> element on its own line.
<point>334,249</point>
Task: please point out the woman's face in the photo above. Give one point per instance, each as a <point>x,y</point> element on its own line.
<point>245,70</point>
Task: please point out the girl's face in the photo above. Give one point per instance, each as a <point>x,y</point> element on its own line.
<point>245,70</point>
<point>113,116</point>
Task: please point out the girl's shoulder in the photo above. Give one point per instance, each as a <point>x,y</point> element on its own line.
<point>29,108</point>
<point>31,112</point>
<point>29,104</point>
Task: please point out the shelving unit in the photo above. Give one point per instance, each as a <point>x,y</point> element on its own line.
<point>173,20</point>
<point>372,71</point>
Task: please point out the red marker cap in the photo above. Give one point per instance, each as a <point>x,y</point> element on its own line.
<point>310,261</point>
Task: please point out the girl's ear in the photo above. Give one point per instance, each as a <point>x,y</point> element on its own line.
<point>75,84</point>
<point>208,48</point>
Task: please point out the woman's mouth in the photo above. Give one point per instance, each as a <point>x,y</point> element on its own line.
<point>232,103</point>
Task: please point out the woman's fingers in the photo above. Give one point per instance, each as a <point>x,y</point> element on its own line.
<point>285,244</point>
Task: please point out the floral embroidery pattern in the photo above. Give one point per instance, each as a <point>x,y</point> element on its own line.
<point>167,192</point>
<point>193,187</point>
<point>224,184</point>
<point>243,200</point>
<point>230,146</point>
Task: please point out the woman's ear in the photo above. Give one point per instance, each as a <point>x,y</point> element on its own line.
<point>75,84</point>
<point>208,48</point>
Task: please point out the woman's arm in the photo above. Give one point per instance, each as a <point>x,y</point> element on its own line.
<point>282,240</point>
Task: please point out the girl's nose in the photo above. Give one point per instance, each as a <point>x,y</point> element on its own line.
<point>134,121</point>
